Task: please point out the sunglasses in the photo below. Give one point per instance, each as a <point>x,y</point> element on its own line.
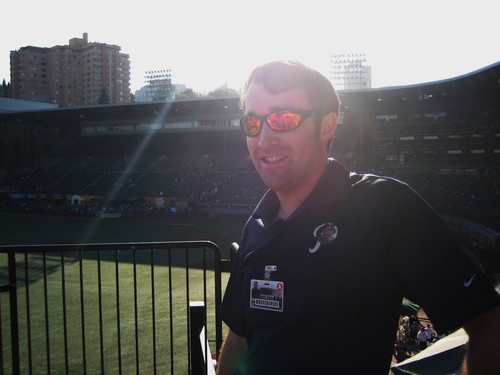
<point>280,121</point>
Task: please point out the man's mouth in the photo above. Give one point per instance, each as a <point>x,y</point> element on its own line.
<point>273,159</point>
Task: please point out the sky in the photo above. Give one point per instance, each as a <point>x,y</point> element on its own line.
<point>210,43</point>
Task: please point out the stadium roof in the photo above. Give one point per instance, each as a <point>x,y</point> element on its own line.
<point>18,105</point>
<point>176,109</point>
<point>485,80</point>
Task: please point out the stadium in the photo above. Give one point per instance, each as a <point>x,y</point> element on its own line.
<point>188,158</point>
<point>443,138</point>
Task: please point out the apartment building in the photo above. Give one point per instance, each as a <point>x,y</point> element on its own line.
<point>77,74</point>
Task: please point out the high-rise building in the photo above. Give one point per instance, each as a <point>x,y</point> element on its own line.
<point>350,71</point>
<point>80,73</point>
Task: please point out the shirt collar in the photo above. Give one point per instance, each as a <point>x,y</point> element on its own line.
<point>327,191</point>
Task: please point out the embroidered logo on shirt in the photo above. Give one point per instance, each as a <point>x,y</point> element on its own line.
<point>325,234</point>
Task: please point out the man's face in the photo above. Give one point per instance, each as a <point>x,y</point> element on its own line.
<point>289,162</point>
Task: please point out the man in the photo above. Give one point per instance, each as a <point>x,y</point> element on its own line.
<point>333,249</point>
<point>422,338</point>
<point>430,333</point>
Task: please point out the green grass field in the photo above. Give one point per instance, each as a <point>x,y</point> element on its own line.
<point>51,303</point>
<point>29,230</point>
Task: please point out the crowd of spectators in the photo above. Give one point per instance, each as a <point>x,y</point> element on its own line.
<point>209,181</point>
<point>414,334</point>
<point>126,191</point>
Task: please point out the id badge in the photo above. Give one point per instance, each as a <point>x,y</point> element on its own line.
<point>267,295</point>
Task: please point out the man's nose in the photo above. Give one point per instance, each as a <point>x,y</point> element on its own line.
<point>267,136</point>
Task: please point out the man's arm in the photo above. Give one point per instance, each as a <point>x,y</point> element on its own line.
<point>484,344</point>
<point>233,349</point>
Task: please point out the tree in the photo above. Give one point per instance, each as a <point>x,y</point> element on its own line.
<point>222,91</point>
<point>187,94</point>
<point>5,89</point>
<point>104,98</point>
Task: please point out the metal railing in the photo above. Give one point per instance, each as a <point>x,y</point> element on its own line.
<point>108,308</point>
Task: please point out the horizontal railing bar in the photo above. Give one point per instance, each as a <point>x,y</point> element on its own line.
<point>111,246</point>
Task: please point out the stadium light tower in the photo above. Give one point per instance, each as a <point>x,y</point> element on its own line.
<point>349,71</point>
<point>159,84</point>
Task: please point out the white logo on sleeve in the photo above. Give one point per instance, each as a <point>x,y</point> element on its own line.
<point>467,283</point>
<point>325,234</point>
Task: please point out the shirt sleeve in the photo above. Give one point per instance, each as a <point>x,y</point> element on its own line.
<point>453,289</point>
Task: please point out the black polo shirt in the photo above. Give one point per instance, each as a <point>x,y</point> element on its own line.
<point>321,292</point>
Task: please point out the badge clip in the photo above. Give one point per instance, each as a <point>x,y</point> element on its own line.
<point>268,270</point>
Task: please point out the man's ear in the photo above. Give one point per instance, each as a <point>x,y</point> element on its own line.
<point>328,126</point>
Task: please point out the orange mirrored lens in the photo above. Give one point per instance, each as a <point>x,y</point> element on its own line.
<point>252,125</point>
<point>283,121</point>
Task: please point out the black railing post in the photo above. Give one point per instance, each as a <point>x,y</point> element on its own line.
<point>14,321</point>
<point>226,264</point>
<point>196,325</point>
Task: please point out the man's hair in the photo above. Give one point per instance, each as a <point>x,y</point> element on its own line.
<point>281,76</point>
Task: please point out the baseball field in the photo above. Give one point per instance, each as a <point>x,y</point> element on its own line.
<point>46,304</point>
<point>31,229</point>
